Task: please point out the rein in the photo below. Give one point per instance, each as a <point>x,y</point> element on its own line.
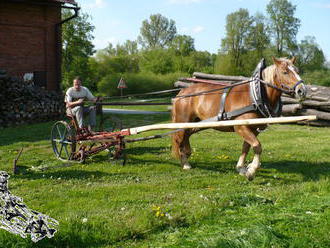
<point>214,90</point>
<point>288,91</point>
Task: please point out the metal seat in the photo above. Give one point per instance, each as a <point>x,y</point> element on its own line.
<point>73,121</point>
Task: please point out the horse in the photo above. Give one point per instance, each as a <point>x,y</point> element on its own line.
<point>202,101</point>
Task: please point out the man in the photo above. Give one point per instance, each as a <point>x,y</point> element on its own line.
<point>74,99</point>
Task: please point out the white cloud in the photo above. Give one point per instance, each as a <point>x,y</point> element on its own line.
<point>96,4</point>
<point>322,5</point>
<point>198,29</point>
<point>183,1</point>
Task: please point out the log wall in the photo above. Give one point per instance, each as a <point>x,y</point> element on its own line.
<point>25,103</point>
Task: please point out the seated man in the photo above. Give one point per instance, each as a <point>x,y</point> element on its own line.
<point>74,99</point>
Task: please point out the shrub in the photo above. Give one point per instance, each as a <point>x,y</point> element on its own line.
<point>137,83</point>
<point>319,77</point>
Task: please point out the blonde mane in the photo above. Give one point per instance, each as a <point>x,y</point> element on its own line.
<point>270,72</point>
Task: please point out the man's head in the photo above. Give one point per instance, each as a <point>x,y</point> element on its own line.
<point>77,83</point>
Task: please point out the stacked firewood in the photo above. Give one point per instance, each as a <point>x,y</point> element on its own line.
<point>317,101</point>
<point>26,103</point>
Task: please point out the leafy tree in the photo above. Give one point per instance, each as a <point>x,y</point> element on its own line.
<point>119,59</point>
<point>77,48</point>
<point>157,32</point>
<point>310,55</point>
<point>182,46</point>
<point>158,61</point>
<point>284,26</point>
<point>258,37</point>
<point>238,28</point>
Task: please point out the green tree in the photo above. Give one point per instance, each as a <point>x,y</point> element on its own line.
<point>157,32</point>
<point>310,55</point>
<point>158,61</point>
<point>238,28</point>
<point>258,37</point>
<point>284,26</point>
<point>77,48</point>
<point>181,46</point>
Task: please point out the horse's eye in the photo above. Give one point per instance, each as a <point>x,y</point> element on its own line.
<point>285,73</point>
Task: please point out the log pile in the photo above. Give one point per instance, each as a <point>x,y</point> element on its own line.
<point>317,101</point>
<point>26,103</point>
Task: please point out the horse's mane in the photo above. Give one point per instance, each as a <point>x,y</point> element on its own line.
<point>269,72</point>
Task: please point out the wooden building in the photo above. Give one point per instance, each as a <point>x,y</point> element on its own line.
<point>30,39</point>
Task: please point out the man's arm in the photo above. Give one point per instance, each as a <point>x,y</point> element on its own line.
<point>75,103</point>
<point>69,100</point>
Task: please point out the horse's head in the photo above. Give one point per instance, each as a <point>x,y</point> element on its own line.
<point>286,77</point>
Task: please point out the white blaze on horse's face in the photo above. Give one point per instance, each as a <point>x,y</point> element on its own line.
<point>299,87</point>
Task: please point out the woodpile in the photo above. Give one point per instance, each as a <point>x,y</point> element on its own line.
<point>26,103</point>
<point>317,101</point>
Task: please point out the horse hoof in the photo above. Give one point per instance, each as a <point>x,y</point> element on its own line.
<point>241,170</point>
<point>186,167</point>
<point>250,176</point>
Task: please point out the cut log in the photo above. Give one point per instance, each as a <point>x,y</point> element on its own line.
<point>319,114</point>
<point>180,84</point>
<point>288,100</point>
<point>219,77</point>
<point>291,108</point>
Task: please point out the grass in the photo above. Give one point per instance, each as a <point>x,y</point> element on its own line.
<point>152,202</point>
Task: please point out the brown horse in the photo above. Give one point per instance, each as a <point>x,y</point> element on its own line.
<point>282,75</point>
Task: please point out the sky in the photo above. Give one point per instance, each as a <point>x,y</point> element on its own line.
<point>116,21</point>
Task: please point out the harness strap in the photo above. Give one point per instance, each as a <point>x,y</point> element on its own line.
<point>222,104</point>
<point>237,112</point>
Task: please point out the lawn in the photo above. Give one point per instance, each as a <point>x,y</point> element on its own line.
<point>152,202</point>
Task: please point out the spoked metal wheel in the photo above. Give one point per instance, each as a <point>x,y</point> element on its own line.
<point>63,141</point>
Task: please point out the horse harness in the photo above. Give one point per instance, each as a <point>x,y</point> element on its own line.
<point>260,103</point>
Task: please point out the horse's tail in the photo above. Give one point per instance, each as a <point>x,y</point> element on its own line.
<point>175,143</point>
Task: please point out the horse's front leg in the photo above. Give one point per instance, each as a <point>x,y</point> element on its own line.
<point>250,137</point>
<point>240,166</point>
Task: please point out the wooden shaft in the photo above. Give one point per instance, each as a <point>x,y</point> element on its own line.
<point>258,121</point>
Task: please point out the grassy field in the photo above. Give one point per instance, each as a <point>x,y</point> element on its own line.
<point>152,202</point>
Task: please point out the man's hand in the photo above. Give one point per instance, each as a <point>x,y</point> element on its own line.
<point>76,103</point>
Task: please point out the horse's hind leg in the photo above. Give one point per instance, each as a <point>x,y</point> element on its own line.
<point>240,166</point>
<point>250,138</point>
<point>185,150</point>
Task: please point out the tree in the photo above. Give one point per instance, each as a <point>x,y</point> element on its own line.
<point>158,61</point>
<point>258,37</point>
<point>157,32</point>
<point>238,28</point>
<point>310,55</point>
<point>119,59</point>
<point>77,47</point>
<point>284,26</point>
<point>182,46</point>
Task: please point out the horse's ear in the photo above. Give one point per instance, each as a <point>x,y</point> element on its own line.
<point>276,61</point>
<point>293,59</point>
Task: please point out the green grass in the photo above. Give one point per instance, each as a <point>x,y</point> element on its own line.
<point>152,202</point>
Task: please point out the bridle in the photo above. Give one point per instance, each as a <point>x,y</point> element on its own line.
<point>286,89</point>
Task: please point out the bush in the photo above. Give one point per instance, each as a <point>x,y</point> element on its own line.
<point>319,77</point>
<point>137,83</point>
